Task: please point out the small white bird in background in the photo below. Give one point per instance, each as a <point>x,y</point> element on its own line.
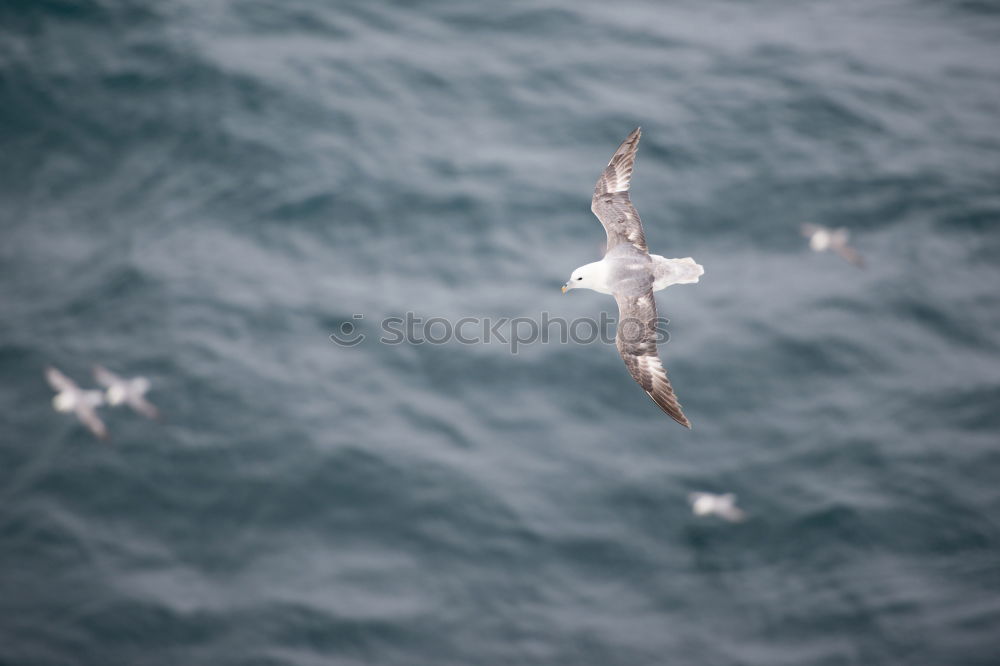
<point>71,398</point>
<point>823,238</point>
<point>723,506</point>
<point>131,392</point>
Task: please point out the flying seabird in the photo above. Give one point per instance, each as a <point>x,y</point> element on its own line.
<point>723,506</point>
<point>823,238</point>
<point>631,274</point>
<point>126,391</point>
<point>71,398</point>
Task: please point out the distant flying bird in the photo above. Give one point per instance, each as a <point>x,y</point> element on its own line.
<point>131,392</point>
<point>724,506</point>
<point>71,398</point>
<point>823,238</point>
<point>631,274</point>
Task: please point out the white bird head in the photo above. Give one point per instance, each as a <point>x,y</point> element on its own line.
<point>588,276</point>
<point>820,240</point>
<point>64,402</point>
<point>702,503</point>
<point>117,394</point>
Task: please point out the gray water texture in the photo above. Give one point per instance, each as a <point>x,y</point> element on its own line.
<point>201,192</point>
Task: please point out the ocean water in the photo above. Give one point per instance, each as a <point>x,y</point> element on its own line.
<point>203,191</point>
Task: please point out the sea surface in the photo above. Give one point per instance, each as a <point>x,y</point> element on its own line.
<point>204,191</point>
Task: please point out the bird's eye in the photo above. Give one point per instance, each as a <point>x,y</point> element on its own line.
<point>579,278</point>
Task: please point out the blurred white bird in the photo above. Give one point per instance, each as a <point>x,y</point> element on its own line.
<point>724,506</point>
<point>823,238</point>
<point>131,392</point>
<point>71,398</point>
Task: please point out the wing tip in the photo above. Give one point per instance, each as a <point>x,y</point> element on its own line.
<point>673,411</point>
<point>629,146</point>
<point>56,379</point>
<point>679,418</point>
<point>633,137</point>
<point>676,413</point>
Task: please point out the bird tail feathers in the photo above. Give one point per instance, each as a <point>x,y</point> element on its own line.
<point>676,271</point>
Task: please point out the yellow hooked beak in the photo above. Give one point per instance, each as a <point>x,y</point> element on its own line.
<point>564,289</point>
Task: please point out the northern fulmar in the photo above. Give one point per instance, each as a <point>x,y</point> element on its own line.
<point>631,274</point>
<point>83,403</point>
<point>122,391</point>
<point>823,238</point>
<point>723,506</point>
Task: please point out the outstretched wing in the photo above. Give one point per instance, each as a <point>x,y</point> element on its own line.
<point>636,342</point>
<point>105,377</point>
<point>145,407</point>
<point>850,255</point>
<point>845,251</point>
<point>729,510</point>
<point>58,381</point>
<point>611,203</point>
<point>88,416</point>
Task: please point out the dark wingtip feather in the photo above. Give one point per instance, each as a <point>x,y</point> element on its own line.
<point>672,411</point>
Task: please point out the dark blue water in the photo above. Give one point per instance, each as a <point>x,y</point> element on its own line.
<point>202,191</point>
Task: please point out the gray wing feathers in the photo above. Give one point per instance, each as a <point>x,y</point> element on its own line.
<point>611,203</point>
<point>145,407</point>
<point>617,176</point>
<point>58,381</point>
<point>636,342</point>
<point>88,416</point>
<point>105,377</point>
<point>850,255</point>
